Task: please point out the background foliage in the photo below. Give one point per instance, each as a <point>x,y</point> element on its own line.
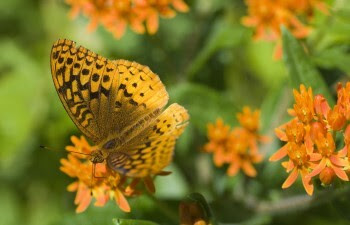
<point>210,64</point>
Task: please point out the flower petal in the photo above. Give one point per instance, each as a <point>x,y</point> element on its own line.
<point>315,157</point>
<point>248,169</point>
<point>291,179</point>
<point>121,200</point>
<point>282,152</point>
<point>281,134</point>
<point>340,173</point>
<point>318,168</point>
<point>233,169</point>
<point>307,183</point>
<point>338,161</point>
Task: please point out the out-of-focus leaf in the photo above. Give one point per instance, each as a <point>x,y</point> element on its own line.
<point>274,107</point>
<point>172,186</point>
<point>335,57</point>
<point>10,206</point>
<point>262,64</point>
<point>300,68</point>
<point>341,10</point>
<point>204,104</point>
<point>22,103</point>
<point>225,35</point>
<point>132,222</point>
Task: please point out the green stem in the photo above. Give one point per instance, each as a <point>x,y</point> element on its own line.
<point>297,203</point>
<point>164,208</point>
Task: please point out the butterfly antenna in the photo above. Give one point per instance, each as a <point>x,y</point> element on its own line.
<point>47,148</point>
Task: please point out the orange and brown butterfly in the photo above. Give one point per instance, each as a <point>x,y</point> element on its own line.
<point>119,105</point>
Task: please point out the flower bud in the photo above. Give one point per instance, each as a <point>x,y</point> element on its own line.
<point>327,176</point>
<point>321,106</point>
<point>336,118</point>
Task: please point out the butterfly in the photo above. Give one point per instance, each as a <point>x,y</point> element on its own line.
<point>119,105</point>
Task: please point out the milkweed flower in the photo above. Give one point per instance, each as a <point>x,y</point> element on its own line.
<point>267,16</point>
<point>99,183</point>
<point>309,138</point>
<point>237,147</point>
<point>116,15</point>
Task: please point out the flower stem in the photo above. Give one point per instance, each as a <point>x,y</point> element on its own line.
<point>298,202</point>
<point>164,208</point>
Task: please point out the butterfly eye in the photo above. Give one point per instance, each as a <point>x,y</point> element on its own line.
<point>110,144</point>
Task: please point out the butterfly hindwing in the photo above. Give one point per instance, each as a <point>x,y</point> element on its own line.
<point>152,150</point>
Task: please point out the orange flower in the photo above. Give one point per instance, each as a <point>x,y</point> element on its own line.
<point>321,107</point>
<point>267,16</point>
<point>336,118</point>
<point>299,163</point>
<point>97,181</point>
<point>310,145</point>
<point>217,135</point>
<point>304,104</point>
<point>295,149</point>
<point>249,119</point>
<point>115,15</point>
<point>344,99</point>
<point>238,148</point>
<point>327,157</point>
<point>242,156</point>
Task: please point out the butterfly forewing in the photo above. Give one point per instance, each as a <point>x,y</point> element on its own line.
<point>67,66</point>
<point>104,98</point>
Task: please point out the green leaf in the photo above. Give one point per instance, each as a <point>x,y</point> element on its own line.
<point>173,186</point>
<point>132,222</point>
<point>204,104</point>
<point>224,35</point>
<point>274,107</point>
<point>22,103</point>
<point>300,68</point>
<point>335,57</point>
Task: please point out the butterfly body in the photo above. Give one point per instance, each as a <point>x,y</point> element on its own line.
<point>119,105</point>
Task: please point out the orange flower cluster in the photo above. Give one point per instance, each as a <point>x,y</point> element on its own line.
<point>238,147</point>
<point>310,138</point>
<point>267,16</point>
<point>116,15</point>
<point>99,182</point>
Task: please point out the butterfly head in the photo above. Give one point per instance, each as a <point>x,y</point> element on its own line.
<point>97,156</point>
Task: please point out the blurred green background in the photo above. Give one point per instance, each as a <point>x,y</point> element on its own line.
<point>210,64</point>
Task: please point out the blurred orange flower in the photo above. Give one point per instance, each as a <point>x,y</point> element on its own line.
<point>309,138</point>
<point>238,147</point>
<point>97,181</point>
<point>267,16</point>
<point>116,15</point>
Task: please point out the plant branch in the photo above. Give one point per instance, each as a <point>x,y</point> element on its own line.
<point>295,203</point>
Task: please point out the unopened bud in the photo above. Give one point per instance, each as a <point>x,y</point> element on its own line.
<point>327,176</point>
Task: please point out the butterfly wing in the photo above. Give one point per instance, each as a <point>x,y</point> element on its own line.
<point>105,99</point>
<point>152,150</point>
